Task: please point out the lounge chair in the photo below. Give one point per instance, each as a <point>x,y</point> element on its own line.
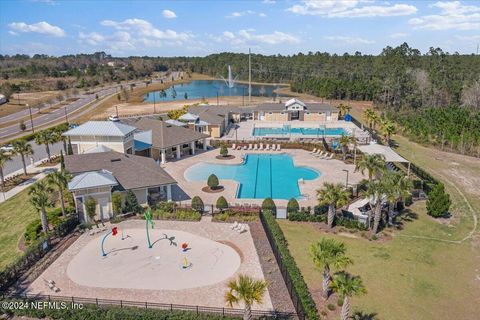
<point>278,147</point>
<point>241,228</point>
<point>234,146</point>
<point>239,147</point>
<point>313,151</point>
<point>319,153</point>
<point>255,147</point>
<point>245,147</point>
<point>274,148</point>
<point>250,147</point>
<point>234,225</point>
<point>267,147</point>
<point>261,146</point>
<point>322,155</point>
<point>330,157</point>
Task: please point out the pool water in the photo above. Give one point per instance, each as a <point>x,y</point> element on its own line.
<point>198,89</point>
<point>287,130</point>
<point>260,176</point>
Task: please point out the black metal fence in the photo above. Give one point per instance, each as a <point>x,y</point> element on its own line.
<point>286,277</point>
<point>81,302</point>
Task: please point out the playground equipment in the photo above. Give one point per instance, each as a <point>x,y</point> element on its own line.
<point>186,264</point>
<point>185,247</point>
<point>112,232</point>
<point>148,221</point>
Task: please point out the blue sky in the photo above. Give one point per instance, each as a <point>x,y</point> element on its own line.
<point>170,28</point>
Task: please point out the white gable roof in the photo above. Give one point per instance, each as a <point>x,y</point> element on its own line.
<point>97,149</point>
<point>101,128</point>
<point>92,179</point>
<point>188,117</point>
<point>294,101</point>
<point>387,152</point>
<point>176,123</point>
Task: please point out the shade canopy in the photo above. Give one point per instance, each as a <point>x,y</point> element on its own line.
<point>387,152</point>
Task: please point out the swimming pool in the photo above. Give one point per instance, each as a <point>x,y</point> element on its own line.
<point>288,130</point>
<point>260,176</point>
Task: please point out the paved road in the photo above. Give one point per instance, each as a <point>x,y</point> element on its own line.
<point>57,114</point>
<point>39,154</point>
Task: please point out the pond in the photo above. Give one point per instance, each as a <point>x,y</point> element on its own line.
<point>198,89</point>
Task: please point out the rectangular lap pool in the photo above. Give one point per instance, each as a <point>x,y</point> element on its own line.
<point>298,131</point>
<point>259,176</point>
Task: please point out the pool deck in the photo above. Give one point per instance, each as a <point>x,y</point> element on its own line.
<point>245,129</point>
<point>330,171</point>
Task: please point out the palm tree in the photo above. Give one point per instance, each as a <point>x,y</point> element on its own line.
<point>368,116</point>
<point>4,158</point>
<point>376,190</point>
<point>344,143</point>
<point>388,129</point>
<point>328,254</point>
<point>40,200</point>
<point>344,109</point>
<point>397,186</point>
<point>373,163</point>
<point>374,120</point>
<point>22,148</point>
<point>247,290</point>
<point>46,137</point>
<point>333,195</point>
<point>59,179</point>
<point>347,286</point>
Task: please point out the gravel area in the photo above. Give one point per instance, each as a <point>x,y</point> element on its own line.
<point>276,286</point>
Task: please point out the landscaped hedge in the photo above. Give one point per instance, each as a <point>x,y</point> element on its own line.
<point>299,285</point>
<point>91,312</point>
<point>178,214</point>
<point>302,216</point>
<point>33,231</point>
<point>232,215</point>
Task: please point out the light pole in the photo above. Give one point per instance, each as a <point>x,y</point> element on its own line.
<point>31,118</point>
<point>346,182</point>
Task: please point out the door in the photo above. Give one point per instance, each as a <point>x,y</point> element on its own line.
<point>104,208</point>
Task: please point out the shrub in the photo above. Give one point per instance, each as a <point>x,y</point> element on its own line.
<point>302,216</point>
<point>212,182</point>
<point>231,215</point>
<point>179,214</point>
<point>320,209</point>
<point>116,203</point>
<point>222,203</point>
<point>223,150</point>
<point>340,301</point>
<point>291,267</point>
<point>92,312</point>
<point>269,205</point>
<point>32,231</point>
<point>131,203</point>
<point>438,202</point>
<point>197,204</point>
<point>166,206</point>
<point>293,205</point>
<point>331,307</point>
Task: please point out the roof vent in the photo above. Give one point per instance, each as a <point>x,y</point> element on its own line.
<point>115,160</point>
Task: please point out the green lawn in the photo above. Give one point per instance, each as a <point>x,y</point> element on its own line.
<point>406,278</point>
<point>15,214</point>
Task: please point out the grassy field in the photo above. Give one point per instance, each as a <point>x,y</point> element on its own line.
<point>430,269</point>
<point>406,278</point>
<point>15,214</point>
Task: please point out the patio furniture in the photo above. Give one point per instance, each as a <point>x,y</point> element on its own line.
<point>274,147</point>
<point>278,147</point>
<point>250,147</point>
<point>234,146</point>
<point>234,225</point>
<point>313,151</point>
<point>330,157</point>
<point>319,154</point>
<point>261,146</point>
<point>255,147</point>
<point>245,147</point>
<point>267,147</point>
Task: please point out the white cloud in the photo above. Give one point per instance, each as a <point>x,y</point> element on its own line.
<point>269,1</point>
<point>350,9</point>
<point>145,29</point>
<point>40,27</point>
<point>453,15</point>
<point>398,35</point>
<point>349,40</point>
<point>50,2</point>
<point>133,34</point>
<point>168,14</point>
<point>239,14</point>
<point>248,37</point>
<point>472,38</point>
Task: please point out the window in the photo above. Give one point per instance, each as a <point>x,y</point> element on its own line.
<point>307,112</point>
<point>270,113</point>
<point>282,112</point>
<point>185,145</point>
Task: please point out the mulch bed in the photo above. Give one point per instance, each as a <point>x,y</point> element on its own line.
<point>208,190</point>
<point>12,183</point>
<point>276,286</point>
<point>229,157</point>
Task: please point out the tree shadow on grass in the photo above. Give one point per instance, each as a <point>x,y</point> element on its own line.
<point>406,216</point>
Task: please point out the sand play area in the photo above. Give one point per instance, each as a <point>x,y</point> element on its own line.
<point>130,263</point>
<point>133,271</point>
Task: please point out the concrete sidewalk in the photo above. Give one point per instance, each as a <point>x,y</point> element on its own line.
<point>41,173</point>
